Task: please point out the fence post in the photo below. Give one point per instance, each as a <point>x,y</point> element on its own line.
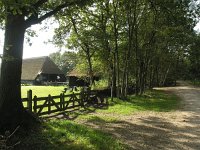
<point>82,97</point>
<point>35,104</point>
<point>49,103</point>
<point>88,91</point>
<point>73,98</point>
<point>61,101</point>
<point>29,102</point>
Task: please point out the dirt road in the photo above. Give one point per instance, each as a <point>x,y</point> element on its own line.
<point>177,130</point>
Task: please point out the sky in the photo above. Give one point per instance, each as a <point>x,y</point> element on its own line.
<point>39,46</point>
<point>197,28</point>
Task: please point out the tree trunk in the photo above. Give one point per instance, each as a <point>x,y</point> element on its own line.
<point>85,47</point>
<point>137,62</point>
<point>116,51</point>
<point>90,69</point>
<point>114,78</point>
<point>12,111</point>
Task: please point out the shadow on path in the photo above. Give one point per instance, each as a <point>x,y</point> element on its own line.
<point>177,130</point>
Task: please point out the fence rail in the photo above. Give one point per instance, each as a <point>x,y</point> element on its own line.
<point>51,104</point>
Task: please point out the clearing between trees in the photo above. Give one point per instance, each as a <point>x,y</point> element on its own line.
<point>140,123</point>
<point>179,129</point>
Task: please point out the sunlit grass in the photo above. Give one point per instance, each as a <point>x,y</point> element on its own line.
<point>98,118</point>
<point>64,135</point>
<point>157,101</point>
<point>42,91</point>
<point>150,101</point>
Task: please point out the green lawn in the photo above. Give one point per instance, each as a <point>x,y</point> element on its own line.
<point>157,101</point>
<point>42,91</point>
<point>64,134</point>
<point>151,100</point>
<point>67,135</point>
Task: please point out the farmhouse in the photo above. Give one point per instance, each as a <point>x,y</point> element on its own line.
<point>78,78</point>
<point>40,70</point>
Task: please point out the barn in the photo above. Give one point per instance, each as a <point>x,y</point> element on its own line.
<point>78,78</point>
<point>41,70</point>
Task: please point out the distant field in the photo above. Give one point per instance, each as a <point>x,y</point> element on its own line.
<point>42,91</point>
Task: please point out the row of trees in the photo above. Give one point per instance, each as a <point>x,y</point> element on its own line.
<point>193,61</point>
<point>134,42</point>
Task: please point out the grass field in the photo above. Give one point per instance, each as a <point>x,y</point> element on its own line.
<point>151,101</point>
<point>62,134</point>
<point>42,91</point>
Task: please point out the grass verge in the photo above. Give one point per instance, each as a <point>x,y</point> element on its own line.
<point>151,101</point>
<point>157,101</point>
<point>64,135</point>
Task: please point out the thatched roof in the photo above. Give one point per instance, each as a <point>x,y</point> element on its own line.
<point>33,66</point>
<point>77,73</point>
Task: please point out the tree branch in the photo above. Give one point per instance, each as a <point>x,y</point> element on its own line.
<point>34,8</point>
<point>35,20</point>
<point>39,3</point>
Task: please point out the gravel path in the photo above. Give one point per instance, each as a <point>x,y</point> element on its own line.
<point>177,130</point>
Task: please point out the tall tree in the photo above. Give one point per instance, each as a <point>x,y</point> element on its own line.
<point>20,15</point>
<point>194,59</point>
<point>139,41</point>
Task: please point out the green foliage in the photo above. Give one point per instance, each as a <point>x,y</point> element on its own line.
<point>194,59</point>
<point>100,84</point>
<point>144,40</point>
<point>66,61</point>
<point>99,69</point>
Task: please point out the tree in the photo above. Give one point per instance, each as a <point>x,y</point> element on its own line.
<point>140,42</point>
<point>66,61</point>
<point>20,15</point>
<point>194,59</point>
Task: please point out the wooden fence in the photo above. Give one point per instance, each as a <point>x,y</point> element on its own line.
<point>51,104</point>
